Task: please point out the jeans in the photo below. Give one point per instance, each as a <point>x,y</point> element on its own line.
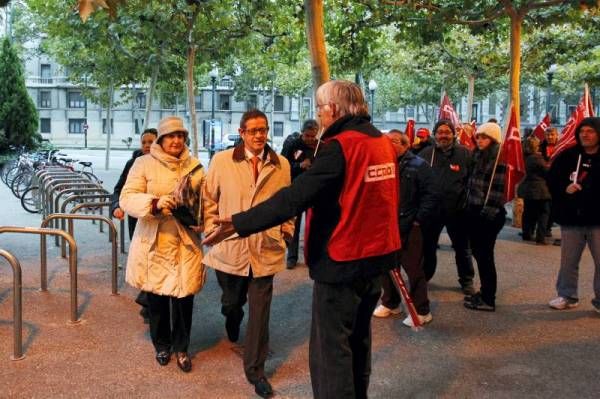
<point>574,239</point>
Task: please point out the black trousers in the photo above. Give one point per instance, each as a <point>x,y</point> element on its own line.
<point>536,214</point>
<point>457,230</point>
<point>292,249</point>
<point>170,322</point>
<point>411,259</point>
<point>259,292</point>
<point>340,339</point>
<point>482,236</point>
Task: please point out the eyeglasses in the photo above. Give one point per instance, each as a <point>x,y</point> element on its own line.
<point>319,106</point>
<point>254,132</point>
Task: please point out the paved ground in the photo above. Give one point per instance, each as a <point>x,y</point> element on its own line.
<point>524,349</point>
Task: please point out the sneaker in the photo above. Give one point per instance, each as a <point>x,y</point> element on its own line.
<point>424,319</point>
<point>561,303</point>
<point>383,311</point>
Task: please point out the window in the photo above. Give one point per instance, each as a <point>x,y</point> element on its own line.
<point>306,107</point>
<point>410,112</point>
<point>76,126</point>
<point>75,99</point>
<point>277,129</point>
<point>475,112</point>
<point>45,73</point>
<point>112,126</point>
<point>140,100</point>
<point>45,99</point>
<point>45,125</point>
<point>198,101</point>
<point>252,101</point>
<point>224,102</point>
<point>278,103</point>
<point>492,105</point>
<point>139,124</point>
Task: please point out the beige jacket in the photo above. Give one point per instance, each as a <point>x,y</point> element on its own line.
<point>164,257</point>
<point>229,189</point>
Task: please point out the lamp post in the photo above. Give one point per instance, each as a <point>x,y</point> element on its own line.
<point>372,88</point>
<point>85,114</point>
<point>550,74</point>
<point>214,73</point>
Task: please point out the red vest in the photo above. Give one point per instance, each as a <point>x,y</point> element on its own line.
<point>369,199</point>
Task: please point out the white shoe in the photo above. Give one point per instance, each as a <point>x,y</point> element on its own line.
<point>424,319</point>
<point>561,303</point>
<point>383,311</point>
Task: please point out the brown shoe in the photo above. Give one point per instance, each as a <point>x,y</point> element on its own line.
<point>184,362</point>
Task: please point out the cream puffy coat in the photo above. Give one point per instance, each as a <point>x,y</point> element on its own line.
<point>229,189</point>
<point>164,258</point>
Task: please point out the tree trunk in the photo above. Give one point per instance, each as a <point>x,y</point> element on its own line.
<point>150,94</point>
<point>470,98</point>
<point>515,64</point>
<point>111,90</point>
<point>191,57</point>
<point>315,35</point>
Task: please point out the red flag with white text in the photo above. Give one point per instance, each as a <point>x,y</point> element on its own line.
<point>512,156</point>
<point>447,112</point>
<point>410,131</point>
<point>567,136</point>
<point>540,129</point>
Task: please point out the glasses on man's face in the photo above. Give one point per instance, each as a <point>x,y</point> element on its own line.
<point>255,131</point>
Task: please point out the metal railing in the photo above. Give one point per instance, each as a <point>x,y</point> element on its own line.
<point>70,217</point>
<point>92,205</point>
<point>43,232</point>
<point>17,305</point>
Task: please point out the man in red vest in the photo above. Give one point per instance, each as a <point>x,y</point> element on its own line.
<point>353,191</point>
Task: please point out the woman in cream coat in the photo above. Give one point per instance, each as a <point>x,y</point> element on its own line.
<point>165,258</point>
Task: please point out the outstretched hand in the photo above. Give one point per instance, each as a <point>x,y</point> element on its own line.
<point>224,230</point>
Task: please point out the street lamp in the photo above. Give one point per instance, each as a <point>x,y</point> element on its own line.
<point>214,73</point>
<point>550,74</point>
<point>372,88</point>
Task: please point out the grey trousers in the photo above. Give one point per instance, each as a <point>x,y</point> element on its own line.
<point>574,240</point>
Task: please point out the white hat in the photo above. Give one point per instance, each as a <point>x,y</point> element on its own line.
<point>490,129</point>
<point>171,124</point>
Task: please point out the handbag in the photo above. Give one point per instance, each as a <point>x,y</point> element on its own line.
<point>188,210</point>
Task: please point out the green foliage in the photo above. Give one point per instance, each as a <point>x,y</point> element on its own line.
<point>18,115</point>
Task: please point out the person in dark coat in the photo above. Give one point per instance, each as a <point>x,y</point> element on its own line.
<point>485,213</point>
<point>353,237</point>
<point>534,191</point>
<point>574,182</point>
<point>418,206</point>
<point>146,139</point>
<point>300,153</point>
<point>450,163</point>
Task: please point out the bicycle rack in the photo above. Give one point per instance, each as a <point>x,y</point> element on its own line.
<point>70,217</point>
<point>43,232</point>
<point>79,192</point>
<point>84,205</point>
<point>48,192</point>
<point>17,305</point>
<point>72,198</point>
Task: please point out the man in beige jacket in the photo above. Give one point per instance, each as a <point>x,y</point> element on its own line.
<point>237,180</point>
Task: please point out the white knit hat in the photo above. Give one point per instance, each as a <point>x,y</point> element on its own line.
<point>490,129</point>
<point>171,124</point>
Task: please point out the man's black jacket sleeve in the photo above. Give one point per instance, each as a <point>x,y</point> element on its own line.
<point>327,170</point>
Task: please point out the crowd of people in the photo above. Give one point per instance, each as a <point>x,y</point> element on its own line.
<point>250,203</point>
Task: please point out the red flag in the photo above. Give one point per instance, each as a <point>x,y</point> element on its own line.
<point>567,136</point>
<point>447,112</point>
<point>410,131</point>
<point>540,129</point>
<point>466,135</point>
<point>512,156</point>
